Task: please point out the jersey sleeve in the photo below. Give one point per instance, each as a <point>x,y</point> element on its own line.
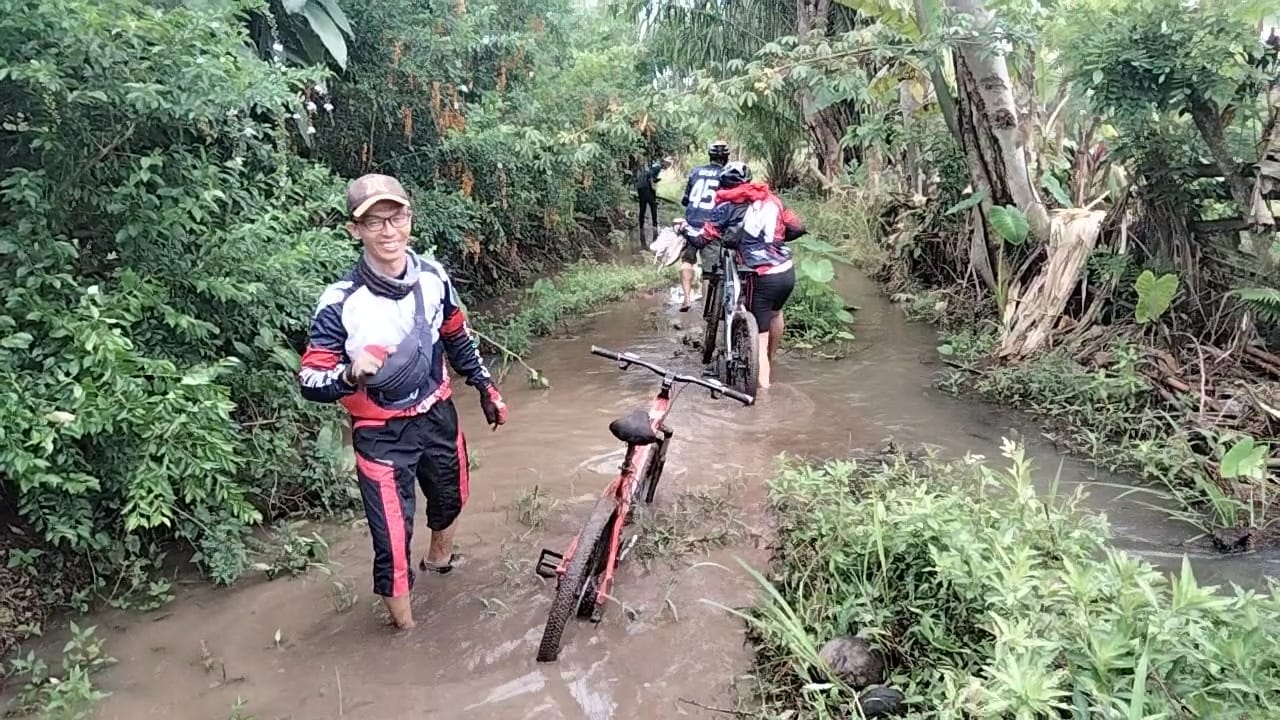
<point>455,334</point>
<point>321,375</point>
<point>792,226</point>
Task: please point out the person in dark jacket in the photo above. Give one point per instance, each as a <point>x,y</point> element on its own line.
<point>754,223</point>
<point>646,181</point>
<point>378,344</point>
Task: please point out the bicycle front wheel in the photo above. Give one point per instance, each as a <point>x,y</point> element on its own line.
<point>744,374</point>
<point>711,321</point>
<point>593,547</point>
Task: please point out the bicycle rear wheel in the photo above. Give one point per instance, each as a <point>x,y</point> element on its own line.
<point>593,547</point>
<point>744,375</point>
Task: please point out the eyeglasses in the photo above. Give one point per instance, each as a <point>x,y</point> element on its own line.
<point>376,224</point>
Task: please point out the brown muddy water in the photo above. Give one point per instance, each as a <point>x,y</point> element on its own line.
<point>284,650</point>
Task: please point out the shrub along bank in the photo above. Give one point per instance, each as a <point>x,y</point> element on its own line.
<point>988,599</point>
<point>163,244</point>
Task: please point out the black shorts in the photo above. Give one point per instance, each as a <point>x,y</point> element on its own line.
<point>767,294</point>
<point>709,256</point>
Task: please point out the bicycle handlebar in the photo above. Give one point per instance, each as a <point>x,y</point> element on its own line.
<point>715,386</point>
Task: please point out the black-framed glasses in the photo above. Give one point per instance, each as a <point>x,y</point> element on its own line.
<point>376,224</point>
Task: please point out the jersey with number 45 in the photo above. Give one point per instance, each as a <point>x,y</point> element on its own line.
<point>700,194</point>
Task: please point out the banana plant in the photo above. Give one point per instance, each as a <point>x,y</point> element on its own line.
<point>301,32</point>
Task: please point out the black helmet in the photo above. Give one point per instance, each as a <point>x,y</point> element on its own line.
<point>719,152</point>
<point>735,173</point>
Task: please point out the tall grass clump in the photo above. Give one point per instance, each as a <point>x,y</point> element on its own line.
<point>992,601</point>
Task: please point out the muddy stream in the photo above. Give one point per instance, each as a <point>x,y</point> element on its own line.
<point>478,628</point>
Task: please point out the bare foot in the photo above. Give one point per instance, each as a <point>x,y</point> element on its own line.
<point>401,612</point>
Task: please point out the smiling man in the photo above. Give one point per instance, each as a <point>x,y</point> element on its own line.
<point>378,344</point>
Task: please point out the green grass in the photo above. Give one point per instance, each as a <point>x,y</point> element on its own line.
<point>991,600</point>
<point>846,224</point>
<point>671,189</point>
<point>552,304</point>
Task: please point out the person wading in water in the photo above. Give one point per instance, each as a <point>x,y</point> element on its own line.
<point>378,343</point>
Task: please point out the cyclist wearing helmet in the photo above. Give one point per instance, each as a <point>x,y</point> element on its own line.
<point>749,219</point>
<point>699,199</point>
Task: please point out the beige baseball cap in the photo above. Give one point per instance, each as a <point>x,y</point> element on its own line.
<point>366,190</point>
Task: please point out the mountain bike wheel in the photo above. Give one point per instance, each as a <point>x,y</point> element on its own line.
<point>710,321</point>
<point>587,560</point>
<point>745,373</point>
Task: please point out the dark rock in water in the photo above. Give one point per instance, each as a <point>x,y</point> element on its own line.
<point>882,702</point>
<point>853,661</point>
<point>1234,540</point>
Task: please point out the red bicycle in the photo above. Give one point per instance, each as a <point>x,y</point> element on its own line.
<point>583,579</point>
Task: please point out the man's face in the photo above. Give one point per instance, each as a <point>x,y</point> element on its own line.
<point>384,229</point>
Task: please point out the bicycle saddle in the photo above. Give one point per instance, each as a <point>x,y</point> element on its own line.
<point>634,428</point>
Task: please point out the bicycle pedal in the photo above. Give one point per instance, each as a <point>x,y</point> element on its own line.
<point>548,561</point>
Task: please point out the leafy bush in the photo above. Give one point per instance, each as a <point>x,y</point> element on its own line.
<point>510,121</point>
<point>993,601</point>
<point>582,288</point>
<point>146,361</point>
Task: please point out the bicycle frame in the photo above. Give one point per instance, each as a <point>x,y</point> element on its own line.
<point>637,462</point>
<point>623,487</point>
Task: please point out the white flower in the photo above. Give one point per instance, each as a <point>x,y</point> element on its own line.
<point>311,106</point>
<point>311,129</point>
<point>295,116</point>
<point>328,107</point>
<point>278,47</point>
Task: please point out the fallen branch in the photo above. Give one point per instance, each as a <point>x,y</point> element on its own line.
<point>712,708</point>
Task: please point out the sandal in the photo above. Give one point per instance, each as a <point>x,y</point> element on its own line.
<point>445,569</point>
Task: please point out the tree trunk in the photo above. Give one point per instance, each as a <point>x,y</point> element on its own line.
<point>941,89</point>
<point>908,104</point>
<point>988,117</point>
<point>1209,124</point>
<point>811,17</point>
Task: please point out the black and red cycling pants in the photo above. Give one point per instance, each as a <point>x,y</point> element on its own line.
<point>393,458</point>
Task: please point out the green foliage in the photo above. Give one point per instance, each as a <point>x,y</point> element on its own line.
<point>995,601</point>
<point>69,695</point>
<point>1154,295</point>
<point>143,393</point>
<point>546,307</point>
<point>1246,459</point>
<point>1264,301</point>
<point>511,123</point>
<point>1112,414</point>
<point>1010,224</point>
<point>1154,56</point>
<point>147,388</point>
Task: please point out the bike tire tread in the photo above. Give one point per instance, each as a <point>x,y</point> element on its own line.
<point>570,586</point>
<point>749,346</point>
